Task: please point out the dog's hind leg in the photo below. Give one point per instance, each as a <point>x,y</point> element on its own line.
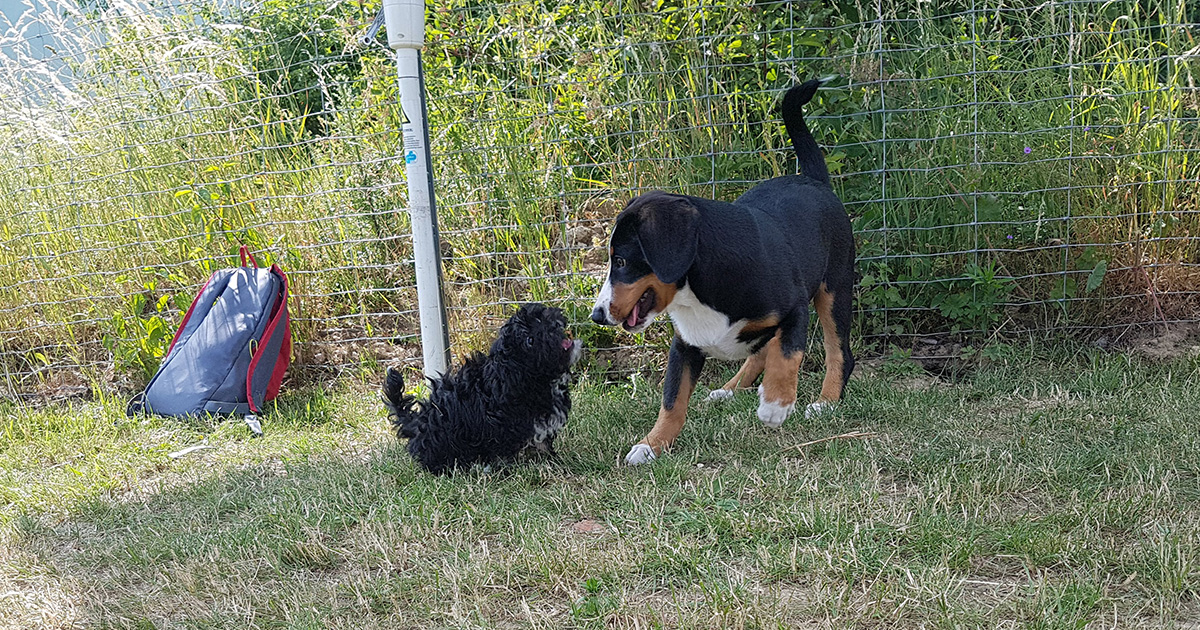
<point>684,364</point>
<point>835,311</point>
<point>745,377</point>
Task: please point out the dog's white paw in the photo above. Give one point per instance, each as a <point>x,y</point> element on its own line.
<point>818,409</point>
<point>772,414</point>
<point>720,394</point>
<point>640,454</point>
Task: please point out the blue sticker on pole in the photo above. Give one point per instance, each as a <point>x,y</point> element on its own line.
<point>410,157</point>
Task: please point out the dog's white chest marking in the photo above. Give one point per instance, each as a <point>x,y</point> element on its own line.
<point>549,426</point>
<point>706,328</point>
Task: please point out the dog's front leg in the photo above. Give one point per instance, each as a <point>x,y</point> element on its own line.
<point>683,369</point>
<point>745,377</point>
<point>777,395</point>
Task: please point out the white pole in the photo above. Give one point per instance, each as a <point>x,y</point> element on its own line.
<point>405,20</point>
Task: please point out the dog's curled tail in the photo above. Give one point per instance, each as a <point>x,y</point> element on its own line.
<point>812,161</point>
<point>401,412</point>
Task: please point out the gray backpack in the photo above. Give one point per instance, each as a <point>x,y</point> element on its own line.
<point>230,352</point>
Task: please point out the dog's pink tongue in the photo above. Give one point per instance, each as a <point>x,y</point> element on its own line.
<point>632,321</point>
<point>566,344</point>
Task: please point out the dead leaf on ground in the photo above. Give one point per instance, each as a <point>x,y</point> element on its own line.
<point>588,526</point>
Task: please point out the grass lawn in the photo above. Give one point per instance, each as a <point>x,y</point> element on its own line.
<point>1052,488</point>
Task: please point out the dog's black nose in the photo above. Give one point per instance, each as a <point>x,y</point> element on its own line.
<point>598,316</point>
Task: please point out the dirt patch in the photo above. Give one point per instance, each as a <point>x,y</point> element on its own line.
<point>1162,343</point>
<point>943,358</point>
<point>588,526</point>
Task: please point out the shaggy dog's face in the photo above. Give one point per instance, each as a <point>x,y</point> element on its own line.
<point>536,338</point>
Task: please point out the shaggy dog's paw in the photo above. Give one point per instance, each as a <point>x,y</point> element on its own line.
<point>720,394</point>
<point>640,454</point>
<point>818,409</point>
<point>772,414</point>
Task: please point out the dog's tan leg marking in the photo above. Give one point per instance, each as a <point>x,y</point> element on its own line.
<point>752,367</point>
<point>755,325</point>
<point>670,421</point>
<point>746,376</point>
<point>835,363</point>
<point>777,394</point>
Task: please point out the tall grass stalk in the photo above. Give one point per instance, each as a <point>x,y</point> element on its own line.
<point>1030,162</point>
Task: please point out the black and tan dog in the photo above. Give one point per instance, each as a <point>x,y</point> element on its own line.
<point>736,279</point>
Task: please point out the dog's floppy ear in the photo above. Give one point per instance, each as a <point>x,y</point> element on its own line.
<point>668,228</point>
<point>510,331</point>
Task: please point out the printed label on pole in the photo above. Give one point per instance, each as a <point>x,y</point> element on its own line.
<point>410,157</point>
<point>413,138</point>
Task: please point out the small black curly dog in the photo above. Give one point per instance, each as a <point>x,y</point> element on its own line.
<point>495,405</point>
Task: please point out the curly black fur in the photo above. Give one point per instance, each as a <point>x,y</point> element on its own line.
<point>495,405</point>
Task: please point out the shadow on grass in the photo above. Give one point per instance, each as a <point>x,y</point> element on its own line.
<point>325,521</point>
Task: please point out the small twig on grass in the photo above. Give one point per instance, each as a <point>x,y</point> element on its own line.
<point>987,583</point>
<point>845,436</point>
<point>188,450</point>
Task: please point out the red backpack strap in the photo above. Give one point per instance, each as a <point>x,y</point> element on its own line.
<point>285,351</point>
<point>281,366</point>
<point>245,252</point>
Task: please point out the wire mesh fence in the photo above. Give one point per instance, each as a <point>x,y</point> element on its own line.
<point>1008,166</point>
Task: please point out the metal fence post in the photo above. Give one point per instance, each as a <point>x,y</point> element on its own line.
<point>405,20</point>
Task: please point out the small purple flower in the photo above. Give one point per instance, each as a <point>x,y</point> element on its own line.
<point>1087,129</point>
<point>1010,237</point>
<point>1028,150</point>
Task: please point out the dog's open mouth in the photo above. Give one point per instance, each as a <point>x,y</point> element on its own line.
<point>641,310</point>
<point>573,348</point>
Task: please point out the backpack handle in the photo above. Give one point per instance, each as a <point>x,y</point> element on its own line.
<point>246,254</point>
<point>136,405</point>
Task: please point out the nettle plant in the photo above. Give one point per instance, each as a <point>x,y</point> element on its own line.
<point>140,332</point>
<point>975,301</point>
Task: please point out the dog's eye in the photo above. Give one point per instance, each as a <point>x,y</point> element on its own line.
<point>529,342</point>
<point>618,262</point>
